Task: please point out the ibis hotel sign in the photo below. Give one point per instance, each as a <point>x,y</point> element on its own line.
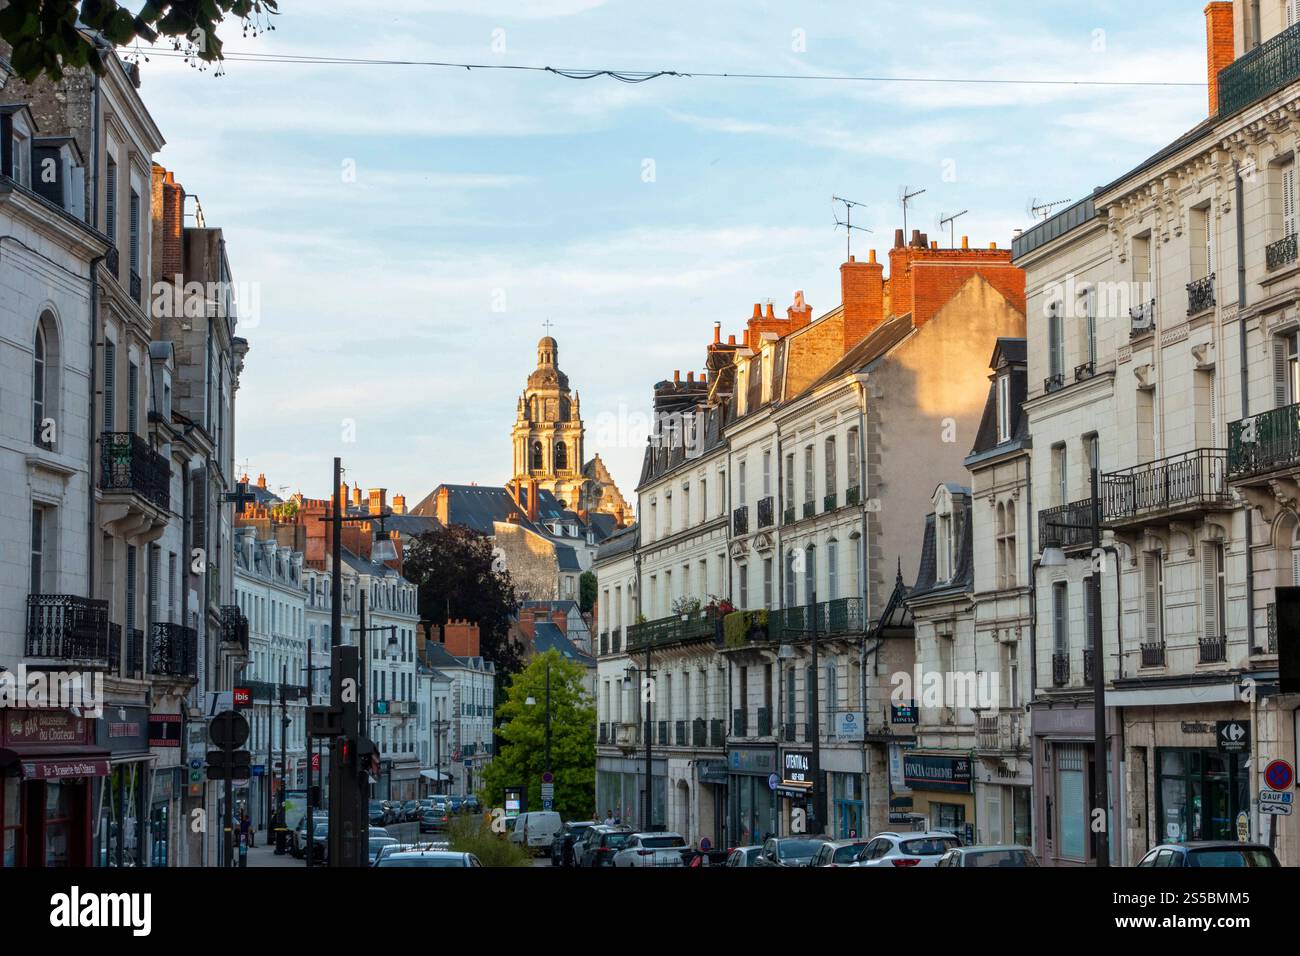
<point>935,772</point>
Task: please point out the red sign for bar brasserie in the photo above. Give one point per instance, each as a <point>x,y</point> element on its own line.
<point>45,727</point>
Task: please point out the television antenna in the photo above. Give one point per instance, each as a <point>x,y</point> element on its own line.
<point>1043,210</point>
<point>904,197</point>
<point>847,223</point>
<point>952,229</point>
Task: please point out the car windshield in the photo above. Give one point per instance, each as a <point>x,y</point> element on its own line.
<point>797,849</point>
<point>1001,858</point>
<point>423,861</point>
<point>378,843</point>
<point>1226,856</point>
<point>658,843</point>
<point>847,854</point>
<point>615,839</point>
<point>322,829</point>
<point>928,846</point>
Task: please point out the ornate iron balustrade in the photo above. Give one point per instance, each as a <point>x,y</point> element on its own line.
<point>127,463</point>
<point>1200,295</point>
<point>679,732</point>
<point>1067,526</point>
<point>1143,318</point>
<point>1267,68</point>
<point>764,722</point>
<point>1272,628</point>
<point>234,626</point>
<point>1214,650</point>
<point>1277,254</point>
<point>603,736</point>
<point>740,520</point>
<point>174,651</point>
<point>111,261</point>
<point>787,516</point>
<point>833,618</point>
<point>697,626</point>
<point>699,732</point>
<point>853,495</point>
<point>1197,477</point>
<point>64,627</point>
<point>1060,670</point>
<point>136,286</point>
<point>1085,371</point>
<point>830,502</point>
<point>1087,667</point>
<point>766,512</point>
<point>717,737</point>
<point>663,733</point>
<point>739,723</point>
<point>1053,382</point>
<point>1264,442</point>
<point>1153,654</point>
<point>809,508</point>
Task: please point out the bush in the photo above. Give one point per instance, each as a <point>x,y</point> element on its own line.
<point>470,833</point>
<point>738,625</point>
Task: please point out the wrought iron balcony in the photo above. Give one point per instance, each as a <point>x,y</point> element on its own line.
<point>603,734</point>
<point>1214,650</point>
<point>127,463</point>
<point>1053,382</point>
<point>766,512</point>
<point>830,502</point>
<point>699,732</point>
<point>111,261</point>
<point>717,736</point>
<point>234,626</point>
<point>174,651</point>
<point>663,733</point>
<point>791,732</point>
<point>809,508</point>
<point>616,642</point>
<point>1200,295</point>
<point>1269,441</point>
<point>1280,253</point>
<point>1272,629</point>
<point>832,618</point>
<point>1087,667</point>
<point>739,723</point>
<point>1060,670</point>
<point>1264,70</point>
<point>679,732</point>
<point>740,520</point>
<point>764,722</point>
<point>136,286</point>
<point>787,516</point>
<point>1153,654</point>
<point>604,644</point>
<point>1067,526</point>
<point>1085,371</point>
<point>1143,318</point>
<point>1190,482</point>
<point>67,628</point>
<point>853,495</point>
<point>674,629</point>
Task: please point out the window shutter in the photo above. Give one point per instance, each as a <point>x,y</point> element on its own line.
<point>1060,624</point>
<point>1210,590</point>
<point>199,509</point>
<point>1090,610</point>
<point>1279,372</point>
<point>153,583</point>
<point>1288,200</point>
<point>1150,599</point>
<point>1054,336</point>
<point>1295,565</point>
<point>132,401</point>
<point>110,383</point>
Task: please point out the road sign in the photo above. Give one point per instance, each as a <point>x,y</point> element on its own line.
<point>1243,827</point>
<point>216,701</point>
<point>1233,736</point>
<point>228,729</point>
<point>546,804</point>
<point>773,781</point>
<point>548,777</point>
<point>548,793</point>
<point>1279,775</point>
<point>1276,809</point>
<point>1275,796</point>
<point>235,766</point>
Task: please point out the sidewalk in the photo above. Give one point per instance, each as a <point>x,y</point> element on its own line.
<point>264,855</point>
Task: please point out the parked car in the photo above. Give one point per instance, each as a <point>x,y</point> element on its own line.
<point>378,832</point>
<point>320,842</point>
<point>455,803</point>
<point>432,820</point>
<point>651,849</point>
<point>298,835</point>
<point>433,858</point>
<point>907,849</point>
<point>378,843</point>
<point>379,813</point>
<point>562,845</point>
<point>838,852</point>
<point>536,829</point>
<point>789,851</point>
<point>410,811</point>
<point>1210,853</point>
<point>471,804</point>
<point>997,855</point>
<point>599,844</point>
<point>744,856</point>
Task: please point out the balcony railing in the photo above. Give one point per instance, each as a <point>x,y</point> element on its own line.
<point>1060,670</point>
<point>1193,479</point>
<point>717,735</point>
<point>663,733</point>
<point>234,626</point>
<point>696,626</point>
<point>766,512</point>
<point>1280,253</point>
<point>1085,371</point>
<point>840,616</point>
<point>1153,654</point>
<point>1087,667</point>
<point>739,723</point>
<point>679,733</point>
<point>1272,629</point>
<point>136,285</point>
<point>1142,318</point>
<point>740,520</point>
<point>809,508</point>
<point>602,736</point>
<point>1067,526</point>
<point>790,732</point>
<point>787,516</point>
<point>1214,650</point>
<point>1265,442</point>
<point>1053,382</point>
<point>830,502</point>
<point>699,732</point>
<point>1200,295</point>
<point>1267,68</point>
<point>764,722</point>
<point>615,642</point>
<point>174,651</point>
<point>604,644</point>
<point>127,463</point>
<point>111,260</point>
<point>853,495</point>
<point>64,627</point>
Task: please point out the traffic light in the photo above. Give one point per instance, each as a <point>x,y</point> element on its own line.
<point>239,767</point>
<point>367,760</point>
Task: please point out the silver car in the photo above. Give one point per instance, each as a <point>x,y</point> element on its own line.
<point>838,853</point>
<point>907,849</point>
<point>651,849</point>
<point>744,856</point>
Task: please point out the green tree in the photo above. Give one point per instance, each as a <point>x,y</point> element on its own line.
<point>521,753</point>
<point>45,38</point>
<point>587,592</point>
<point>459,577</point>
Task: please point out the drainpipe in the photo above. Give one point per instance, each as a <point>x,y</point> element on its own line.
<point>94,363</point>
<point>1245,395</point>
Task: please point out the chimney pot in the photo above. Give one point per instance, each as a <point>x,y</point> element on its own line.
<point>965,242</point>
<point>898,238</point>
<point>934,244</point>
<point>731,340</point>
<point>758,311</point>
<point>993,245</point>
<point>717,332</point>
<point>871,256</point>
<point>769,314</point>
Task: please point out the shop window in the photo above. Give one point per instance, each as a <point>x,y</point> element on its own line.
<point>10,821</point>
<point>59,813</point>
<point>1071,802</point>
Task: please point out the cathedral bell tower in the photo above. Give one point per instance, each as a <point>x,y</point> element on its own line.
<point>548,431</point>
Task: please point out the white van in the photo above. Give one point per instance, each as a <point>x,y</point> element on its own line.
<point>536,830</point>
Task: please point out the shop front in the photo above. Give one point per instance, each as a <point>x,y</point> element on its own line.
<point>1003,799</point>
<point>712,794</point>
<point>941,788</point>
<point>50,768</point>
<point>125,805</point>
<point>752,772</point>
<point>619,793</point>
<point>1064,777</point>
<point>166,731</point>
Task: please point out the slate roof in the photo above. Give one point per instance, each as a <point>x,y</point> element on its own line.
<point>567,558</point>
<point>546,637</point>
<point>478,506</point>
<point>1008,353</point>
<point>896,616</point>
<point>366,566</point>
<point>621,542</point>
<point>409,524</point>
<point>963,578</point>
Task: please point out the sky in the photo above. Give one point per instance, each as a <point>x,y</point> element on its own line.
<point>399,234</point>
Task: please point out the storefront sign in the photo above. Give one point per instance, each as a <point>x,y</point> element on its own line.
<point>849,725</point>
<point>58,769</point>
<point>752,761</point>
<point>165,730</point>
<point>796,772</point>
<point>711,771</point>
<point>904,713</point>
<point>40,727</point>
<point>1233,736</point>
<point>1198,727</point>
<point>896,780</point>
<point>124,730</point>
<point>933,772</point>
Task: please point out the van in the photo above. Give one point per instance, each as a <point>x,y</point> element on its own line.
<point>536,830</point>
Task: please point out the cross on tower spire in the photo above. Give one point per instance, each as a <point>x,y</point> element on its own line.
<point>547,325</point>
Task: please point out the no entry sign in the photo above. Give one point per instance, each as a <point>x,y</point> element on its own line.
<point>1279,775</point>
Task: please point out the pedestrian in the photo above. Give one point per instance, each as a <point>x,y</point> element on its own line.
<point>609,817</point>
<point>246,828</point>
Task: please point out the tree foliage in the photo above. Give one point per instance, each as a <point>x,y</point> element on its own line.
<point>521,753</point>
<point>49,36</point>
<point>587,592</point>
<point>453,568</point>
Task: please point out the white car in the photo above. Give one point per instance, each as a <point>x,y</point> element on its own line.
<point>535,830</point>
<point>651,849</point>
<point>907,849</point>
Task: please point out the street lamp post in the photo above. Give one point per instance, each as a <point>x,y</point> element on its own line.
<point>818,791</point>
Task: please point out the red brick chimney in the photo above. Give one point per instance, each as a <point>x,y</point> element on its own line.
<point>1218,45</point>
<point>399,504</point>
<point>378,499</point>
<point>560,618</point>
<point>460,638</point>
<point>862,290</point>
<point>169,212</point>
<point>799,312</point>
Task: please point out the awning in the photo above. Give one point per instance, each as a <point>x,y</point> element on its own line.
<point>434,775</point>
<point>55,763</point>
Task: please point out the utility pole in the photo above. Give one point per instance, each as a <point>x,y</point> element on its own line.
<point>818,792</point>
<point>548,715</point>
<point>284,759</point>
<point>1101,797</point>
<point>648,693</point>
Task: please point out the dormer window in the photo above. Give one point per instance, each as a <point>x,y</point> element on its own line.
<point>1004,406</point>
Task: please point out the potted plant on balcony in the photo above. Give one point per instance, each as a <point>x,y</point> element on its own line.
<point>686,606</point>
<point>718,606</point>
<point>742,627</point>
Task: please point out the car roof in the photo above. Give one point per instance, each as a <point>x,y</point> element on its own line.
<point>856,841</point>
<point>983,847</point>
<point>916,834</point>
<point>418,854</point>
<point>1210,845</point>
<point>657,833</point>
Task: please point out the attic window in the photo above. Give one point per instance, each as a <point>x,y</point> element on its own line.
<point>1004,406</point>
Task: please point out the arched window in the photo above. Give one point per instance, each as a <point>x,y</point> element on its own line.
<point>810,573</point>
<point>537,455</point>
<point>38,383</point>
<point>561,455</point>
<point>790,599</point>
<point>1001,542</point>
<point>45,382</point>
<point>832,569</point>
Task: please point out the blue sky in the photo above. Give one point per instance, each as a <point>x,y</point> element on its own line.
<point>407,299</point>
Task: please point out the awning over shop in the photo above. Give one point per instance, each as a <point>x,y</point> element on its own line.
<point>434,775</point>
<point>51,762</point>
